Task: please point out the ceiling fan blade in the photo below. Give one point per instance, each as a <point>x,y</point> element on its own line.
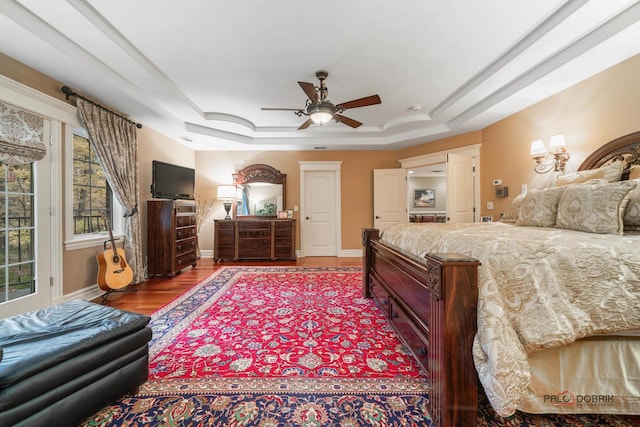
<point>347,121</point>
<point>305,124</point>
<point>310,90</point>
<point>362,102</point>
<point>280,109</point>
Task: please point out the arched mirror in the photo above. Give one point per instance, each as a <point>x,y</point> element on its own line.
<point>261,191</point>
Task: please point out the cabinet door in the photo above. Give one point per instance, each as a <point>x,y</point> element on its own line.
<point>254,239</point>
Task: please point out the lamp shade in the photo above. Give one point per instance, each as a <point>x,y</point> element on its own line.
<point>538,148</point>
<point>557,141</point>
<point>226,192</point>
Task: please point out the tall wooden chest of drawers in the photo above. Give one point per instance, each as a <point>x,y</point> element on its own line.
<point>171,236</point>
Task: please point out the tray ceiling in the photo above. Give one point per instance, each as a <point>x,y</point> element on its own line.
<point>200,71</point>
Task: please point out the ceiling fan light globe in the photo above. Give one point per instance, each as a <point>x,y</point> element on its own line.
<point>321,117</point>
<point>321,113</point>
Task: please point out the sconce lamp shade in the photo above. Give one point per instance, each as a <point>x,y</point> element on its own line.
<point>556,143</point>
<point>538,148</point>
<point>226,192</point>
<point>555,159</point>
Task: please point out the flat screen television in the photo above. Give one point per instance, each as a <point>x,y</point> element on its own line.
<point>172,181</point>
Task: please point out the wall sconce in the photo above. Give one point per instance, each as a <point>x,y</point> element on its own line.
<point>228,194</point>
<point>555,158</point>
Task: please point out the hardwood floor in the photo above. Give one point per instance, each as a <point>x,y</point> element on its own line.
<point>149,296</point>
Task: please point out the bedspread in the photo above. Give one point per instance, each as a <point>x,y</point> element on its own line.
<point>538,288</point>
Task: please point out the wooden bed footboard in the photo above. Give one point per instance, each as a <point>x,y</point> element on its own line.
<point>431,304</point>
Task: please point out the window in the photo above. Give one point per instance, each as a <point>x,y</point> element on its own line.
<point>17,231</point>
<point>91,199</point>
<point>91,193</point>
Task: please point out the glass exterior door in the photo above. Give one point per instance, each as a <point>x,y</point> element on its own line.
<point>25,236</point>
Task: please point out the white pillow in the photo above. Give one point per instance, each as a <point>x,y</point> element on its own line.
<point>611,172</point>
<point>540,207</point>
<point>596,208</point>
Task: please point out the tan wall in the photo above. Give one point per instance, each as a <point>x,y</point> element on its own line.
<point>589,114</point>
<point>216,168</point>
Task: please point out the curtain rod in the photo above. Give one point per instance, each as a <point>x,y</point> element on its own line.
<point>69,92</point>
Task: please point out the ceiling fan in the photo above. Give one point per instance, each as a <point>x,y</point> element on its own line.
<point>320,110</point>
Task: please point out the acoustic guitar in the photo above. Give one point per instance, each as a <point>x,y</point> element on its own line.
<point>113,270</point>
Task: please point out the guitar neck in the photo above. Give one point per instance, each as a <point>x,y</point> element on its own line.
<point>111,239</point>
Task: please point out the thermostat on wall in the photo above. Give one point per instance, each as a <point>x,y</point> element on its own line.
<point>502,191</point>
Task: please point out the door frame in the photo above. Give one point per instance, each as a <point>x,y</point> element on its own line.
<point>321,166</point>
<point>441,157</point>
<point>59,113</point>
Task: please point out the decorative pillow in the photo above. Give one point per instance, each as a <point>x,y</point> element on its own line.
<point>631,217</point>
<point>513,210</point>
<point>610,172</point>
<point>597,208</point>
<point>540,207</point>
<point>634,172</point>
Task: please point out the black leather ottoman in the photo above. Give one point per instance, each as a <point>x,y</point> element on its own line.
<point>62,364</point>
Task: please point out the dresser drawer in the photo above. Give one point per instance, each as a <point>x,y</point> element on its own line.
<point>185,220</point>
<point>255,248</point>
<point>254,226</point>
<point>225,225</point>
<point>185,233</point>
<point>185,260</point>
<point>185,246</point>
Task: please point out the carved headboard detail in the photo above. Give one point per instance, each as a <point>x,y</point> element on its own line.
<point>625,148</point>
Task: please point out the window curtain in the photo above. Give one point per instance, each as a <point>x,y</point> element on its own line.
<point>116,145</point>
<point>21,134</point>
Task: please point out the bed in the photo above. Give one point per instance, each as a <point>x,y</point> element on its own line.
<point>542,307</point>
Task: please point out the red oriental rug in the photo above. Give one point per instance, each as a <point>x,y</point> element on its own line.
<point>275,346</point>
<point>287,346</point>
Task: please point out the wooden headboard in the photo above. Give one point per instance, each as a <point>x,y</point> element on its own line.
<point>625,148</point>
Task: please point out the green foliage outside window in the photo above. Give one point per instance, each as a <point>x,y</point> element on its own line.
<point>17,232</point>
<point>91,192</point>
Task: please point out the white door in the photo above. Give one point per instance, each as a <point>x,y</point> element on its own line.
<point>25,235</point>
<point>389,197</point>
<point>319,214</point>
<point>460,185</point>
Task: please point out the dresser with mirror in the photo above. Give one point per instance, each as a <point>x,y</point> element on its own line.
<point>260,229</point>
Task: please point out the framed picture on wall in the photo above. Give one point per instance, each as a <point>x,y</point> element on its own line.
<point>425,198</point>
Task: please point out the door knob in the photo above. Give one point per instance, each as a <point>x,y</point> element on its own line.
<point>307,217</point>
<point>377,217</point>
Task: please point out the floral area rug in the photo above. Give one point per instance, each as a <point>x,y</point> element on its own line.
<point>275,346</point>
<point>287,346</point>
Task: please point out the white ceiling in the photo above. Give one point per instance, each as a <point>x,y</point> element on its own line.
<point>200,70</point>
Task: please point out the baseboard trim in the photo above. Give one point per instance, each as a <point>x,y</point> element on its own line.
<point>88,293</point>
<point>350,253</point>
